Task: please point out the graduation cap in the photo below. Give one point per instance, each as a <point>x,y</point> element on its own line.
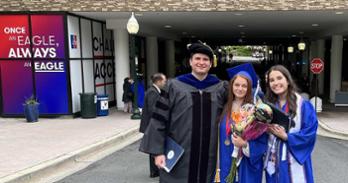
<point>281,118</point>
<point>246,70</point>
<point>200,47</point>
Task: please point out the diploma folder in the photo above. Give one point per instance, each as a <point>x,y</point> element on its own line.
<point>281,118</point>
<point>173,152</point>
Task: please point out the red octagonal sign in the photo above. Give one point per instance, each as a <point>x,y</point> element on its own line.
<point>317,65</point>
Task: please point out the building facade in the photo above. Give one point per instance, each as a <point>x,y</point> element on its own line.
<point>170,5</point>
<point>59,49</point>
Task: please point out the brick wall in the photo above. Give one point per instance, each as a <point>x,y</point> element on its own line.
<point>169,5</point>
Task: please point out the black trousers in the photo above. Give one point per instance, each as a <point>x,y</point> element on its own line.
<point>153,167</point>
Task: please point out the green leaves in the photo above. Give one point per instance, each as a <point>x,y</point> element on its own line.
<point>31,100</point>
<point>233,171</point>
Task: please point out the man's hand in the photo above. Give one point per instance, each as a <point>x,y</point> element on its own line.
<point>160,161</point>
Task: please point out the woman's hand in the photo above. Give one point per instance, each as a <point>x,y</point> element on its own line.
<point>238,141</point>
<point>278,131</point>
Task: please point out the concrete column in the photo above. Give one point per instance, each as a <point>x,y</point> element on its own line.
<point>151,57</point>
<point>336,65</point>
<point>122,68</point>
<point>321,54</point>
<point>170,58</point>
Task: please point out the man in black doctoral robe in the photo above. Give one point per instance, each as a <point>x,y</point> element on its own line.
<point>187,111</point>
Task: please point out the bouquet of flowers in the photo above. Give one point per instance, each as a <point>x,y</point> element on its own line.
<point>250,123</point>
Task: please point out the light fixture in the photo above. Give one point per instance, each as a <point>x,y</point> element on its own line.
<point>301,45</point>
<point>133,28</point>
<point>132,25</point>
<point>238,14</point>
<point>339,12</point>
<point>290,49</point>
<point>241,26</point>
<point>315,25</point>
<point>167,26</point>
<point>270,52</point>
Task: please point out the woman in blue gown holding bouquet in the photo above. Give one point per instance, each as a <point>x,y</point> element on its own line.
<point>288,158</point>
<point>249,161</point>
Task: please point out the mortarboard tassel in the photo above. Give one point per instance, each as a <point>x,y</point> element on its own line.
<point>217,176</point>
<point>215,61</point>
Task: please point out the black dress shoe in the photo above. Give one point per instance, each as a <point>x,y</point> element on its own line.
<point>153,175</point>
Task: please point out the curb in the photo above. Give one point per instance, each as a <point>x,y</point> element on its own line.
<point>332,132</point>
<point>50,167</point>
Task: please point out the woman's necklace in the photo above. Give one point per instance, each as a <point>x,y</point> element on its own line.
<point>227,142</point>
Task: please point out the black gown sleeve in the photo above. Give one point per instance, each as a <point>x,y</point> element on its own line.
<point>154,137</point>
<point>151,98</point>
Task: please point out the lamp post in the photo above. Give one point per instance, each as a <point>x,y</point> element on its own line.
<point>133,28</point>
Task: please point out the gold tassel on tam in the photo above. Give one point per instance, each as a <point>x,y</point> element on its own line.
<point>217,176</point>
<point>215,61</point>
<point>217,169</point>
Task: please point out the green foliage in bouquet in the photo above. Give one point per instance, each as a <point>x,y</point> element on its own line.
<point>233,171</point>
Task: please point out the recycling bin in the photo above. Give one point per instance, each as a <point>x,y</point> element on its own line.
<point>88,105</point>
<point>102,105</point>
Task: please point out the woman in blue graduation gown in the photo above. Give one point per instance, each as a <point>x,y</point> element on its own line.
<point>250,168</point>
<point>288,157</point>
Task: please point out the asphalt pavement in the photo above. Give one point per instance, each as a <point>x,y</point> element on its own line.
<point>131,166</point>
<point>37,152</point>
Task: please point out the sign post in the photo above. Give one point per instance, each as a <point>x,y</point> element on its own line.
<point>317,66</point>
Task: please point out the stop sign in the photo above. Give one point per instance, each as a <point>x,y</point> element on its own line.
<point>317,65</point>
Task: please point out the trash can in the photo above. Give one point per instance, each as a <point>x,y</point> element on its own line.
<point>88,105</point>
<point>102,105</point>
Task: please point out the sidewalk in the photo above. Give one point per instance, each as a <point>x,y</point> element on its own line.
<point>333,124</point>
<point>25,148</point>
<point>29,151</point>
